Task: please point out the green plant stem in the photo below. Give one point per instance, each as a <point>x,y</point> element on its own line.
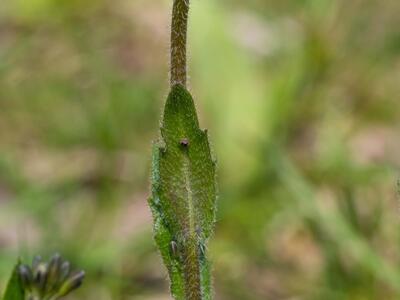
<point>179,24</point>
<point>190,252</point>
<point>192,270</point>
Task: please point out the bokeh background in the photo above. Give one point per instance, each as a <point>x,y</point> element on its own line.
<point>301,99</point>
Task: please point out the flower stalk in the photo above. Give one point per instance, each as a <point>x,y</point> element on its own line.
<point>179,24</point>
<point>183,181</point>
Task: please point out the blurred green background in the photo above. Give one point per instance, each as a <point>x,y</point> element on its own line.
<point>301,99</point>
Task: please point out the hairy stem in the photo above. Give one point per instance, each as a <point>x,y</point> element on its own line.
<point>179,23</point>
<point>192,270</point>
<point>191,254</point>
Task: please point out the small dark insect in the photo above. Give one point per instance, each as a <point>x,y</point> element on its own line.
<point>184,142</point>
<point>174,248</point>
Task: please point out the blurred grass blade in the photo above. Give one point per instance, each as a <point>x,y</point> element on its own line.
<point>183,197</point>
<point>14,289</point>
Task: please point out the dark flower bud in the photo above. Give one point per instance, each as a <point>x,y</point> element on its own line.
<point>36,261</point>
<point>54,264</point>
<point>64,271</point>
<point>53,273</point>
<point>40,277</point>
<point>25,274</point>
<point>71,283</point>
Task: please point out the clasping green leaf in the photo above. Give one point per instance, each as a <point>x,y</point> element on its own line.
<point>183,198</point>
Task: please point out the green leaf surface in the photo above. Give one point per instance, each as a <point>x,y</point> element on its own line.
<point>183,198</point>
<point>14,290</point>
